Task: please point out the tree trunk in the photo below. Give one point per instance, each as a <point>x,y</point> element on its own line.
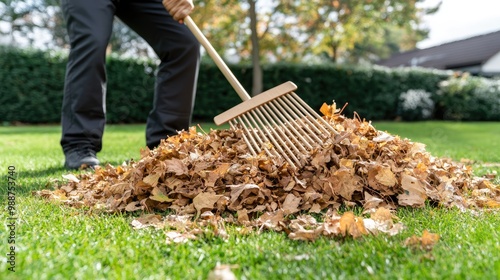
<point>334,52</point>
<point>256,69</point>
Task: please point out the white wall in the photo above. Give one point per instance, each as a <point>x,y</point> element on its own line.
<point>492,65</point>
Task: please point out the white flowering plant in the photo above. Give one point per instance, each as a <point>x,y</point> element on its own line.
<point>415,105</point>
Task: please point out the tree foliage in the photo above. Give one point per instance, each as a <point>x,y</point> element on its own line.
<point>285,30</point>
<point>21,19</point>
<point>353,30</point>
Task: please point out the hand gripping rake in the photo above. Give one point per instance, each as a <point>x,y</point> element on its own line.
<point>276,121</point>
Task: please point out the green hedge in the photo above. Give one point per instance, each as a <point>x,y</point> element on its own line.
<point>469,98</point>
<point>31,86</point>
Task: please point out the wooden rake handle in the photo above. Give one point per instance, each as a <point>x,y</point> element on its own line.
<point>217,59</point>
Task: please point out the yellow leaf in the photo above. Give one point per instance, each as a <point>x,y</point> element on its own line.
<point>429,239</point>
<point>352,225</point>
<point>328,110</point>
<point>492,204</point>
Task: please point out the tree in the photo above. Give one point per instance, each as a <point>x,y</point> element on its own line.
<point>256,68</point>
<point>17,17</point>
<point>257,32</point>
<point>28,21</point>
<point>352,29</point>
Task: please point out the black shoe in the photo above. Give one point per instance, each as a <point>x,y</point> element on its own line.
<point>80,158</point>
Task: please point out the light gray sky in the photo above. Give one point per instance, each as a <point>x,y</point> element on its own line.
<point>460,19</point>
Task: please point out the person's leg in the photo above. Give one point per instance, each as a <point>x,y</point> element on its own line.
<point>89,25</point>
<point>179,52</point>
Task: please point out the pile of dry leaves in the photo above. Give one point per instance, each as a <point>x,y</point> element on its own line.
<point>211,175</point>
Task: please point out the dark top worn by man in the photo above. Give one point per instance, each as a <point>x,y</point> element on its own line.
<point>89,25</point>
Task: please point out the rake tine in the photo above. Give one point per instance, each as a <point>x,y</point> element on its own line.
<point>281,119</point>
<point>314,113</point>
<point>306,117</point>
<point>255,128</point>
<point>273,141</point>
<point>309,118</point>
<point>299,110</point>
<point>233,125</point>
<point>294,112</point>
<point>286,132</point>
<point>261,111</point>
<point>250,105</point>
<point>276,128</point>
<point>293,123</point>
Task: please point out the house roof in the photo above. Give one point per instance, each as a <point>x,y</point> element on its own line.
<point>467,52</point>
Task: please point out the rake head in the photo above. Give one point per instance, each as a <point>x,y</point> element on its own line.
<point>280,123</point>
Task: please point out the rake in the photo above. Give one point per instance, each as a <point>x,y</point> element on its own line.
<point>276,121</point>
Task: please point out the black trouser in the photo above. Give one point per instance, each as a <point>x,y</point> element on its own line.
<point>89,25</point>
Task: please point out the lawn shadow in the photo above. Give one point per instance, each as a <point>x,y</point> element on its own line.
<point>45,172</point>
<point>39,179</point>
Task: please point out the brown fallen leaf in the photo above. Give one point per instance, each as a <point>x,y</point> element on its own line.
<point>159,195</point>
<point>177,237</point>
<point>382,214</point>
<point>152,179</point>
<point>304,234</point>
<point>371,202</point>
<point>236,190</point>
<point>352,225</point>
<point>148,220</point>
<point>191,173</point>
<point>382,220</point>
<point>176,166</point>
<point>243,216</point>
<point>134,206</point>
<point>386,177</point>
<point>376,227</point>
<point>205,200</point>
<point>382,179</point>
<point>345,182</point>
<point>426,242</point>
<point>291,204</point>
<point>71,178</point>
<point>271,220</point>
<point>414,192</point>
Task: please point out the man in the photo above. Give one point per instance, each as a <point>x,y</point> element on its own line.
<point>89,25</point>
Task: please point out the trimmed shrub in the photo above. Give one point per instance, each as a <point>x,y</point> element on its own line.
<point>32,82</point>
<point>469,98</point>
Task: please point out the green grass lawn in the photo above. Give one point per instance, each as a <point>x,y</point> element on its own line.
<point>56,242</point>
